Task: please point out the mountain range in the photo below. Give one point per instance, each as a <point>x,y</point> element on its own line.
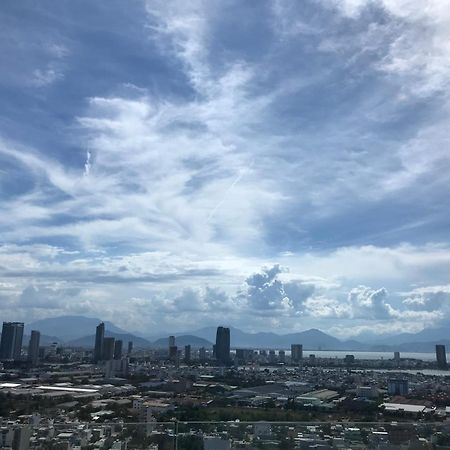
<point>79,331</point>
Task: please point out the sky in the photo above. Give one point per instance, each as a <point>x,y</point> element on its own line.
<point>269,165</point>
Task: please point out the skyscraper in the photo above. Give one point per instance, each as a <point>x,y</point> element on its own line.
<point>223,345</point>
<point>108,348</point>
<point>130,348</point>
<point>118,349</point>
<point>187,353</point>
<point>33,347</point>
<point>441,356</point>
<point>296,352</point>
<point>11,342</point>
<point>99,336</point>
<point>173,349</point>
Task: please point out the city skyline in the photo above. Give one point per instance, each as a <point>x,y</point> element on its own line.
<point>279,166</point>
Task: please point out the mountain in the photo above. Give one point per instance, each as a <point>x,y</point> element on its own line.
<point>183,340</point>
<point>311,339</point>
<point>437,335</point>
<point>89,341</point>
<point>68,328</point>
<point>44,340</point>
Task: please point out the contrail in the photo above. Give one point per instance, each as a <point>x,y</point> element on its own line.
<point>237,179</point>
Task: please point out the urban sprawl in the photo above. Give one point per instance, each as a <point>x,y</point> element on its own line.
<point>118,396</point>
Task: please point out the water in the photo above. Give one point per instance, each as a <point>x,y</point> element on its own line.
<point>340,354</point>
<point>368,355</point>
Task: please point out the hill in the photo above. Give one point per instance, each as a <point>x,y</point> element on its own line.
<point>68,328</point>
<point>311,339</point>
<point>89,341</point>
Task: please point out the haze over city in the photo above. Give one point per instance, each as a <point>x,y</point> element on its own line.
<point>272,166</point>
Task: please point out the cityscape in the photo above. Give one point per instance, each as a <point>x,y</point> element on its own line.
<point>224,224</point>
<point>115,394</point>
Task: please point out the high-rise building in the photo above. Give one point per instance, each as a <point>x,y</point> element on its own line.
<point>281,356</point>
<point>118,349</point>
<point>33,347</point>
<point>187,353</point>
<point>99,336</point>
<point>296,353</point>
<point>130,348</point>
<point>108,348</point>
<point>202,354</point>
<point>11,342</point>
<point>173,352</point>
<point>223,345</point>
<point>441,356</point>
<point>171,341</point>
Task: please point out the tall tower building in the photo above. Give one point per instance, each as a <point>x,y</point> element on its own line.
<point>118,349</point>
<point>173,349</point>
<point>296,353</point>
<point>108,348</point>
<point>187,354</point>
<point>130,348</point>
<point>223,345</point>
<point>11,342</point>
<point>99,336</point>
<point>33,347</point>
<point>441,356</point>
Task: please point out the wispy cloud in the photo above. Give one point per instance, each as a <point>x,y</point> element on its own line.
<point>203,145</point>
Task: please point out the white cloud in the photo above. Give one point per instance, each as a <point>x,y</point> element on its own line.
<point>178,199</point>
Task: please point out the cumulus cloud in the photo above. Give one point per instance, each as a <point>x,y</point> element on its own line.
<point>265,292</point>
<point>427,300</point>
<point>370,303</point>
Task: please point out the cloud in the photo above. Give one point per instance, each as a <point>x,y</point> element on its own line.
<point>155,179</point>
<point>431,298</point>
<point>370,303</point>
<point>41,297</point>
<point>265,292</point>
<point>418,54</point>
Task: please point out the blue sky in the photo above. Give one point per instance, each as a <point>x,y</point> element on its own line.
<point>264,164</point>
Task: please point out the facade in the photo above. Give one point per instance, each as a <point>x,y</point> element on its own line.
<point>99,336</point>
<point>108,348</point>
<point>441,356</point>
<point>33,347</point>
<point>296,353</point>
<point>398,386</point>
<point>11,342</point>
<point>223,345</point>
